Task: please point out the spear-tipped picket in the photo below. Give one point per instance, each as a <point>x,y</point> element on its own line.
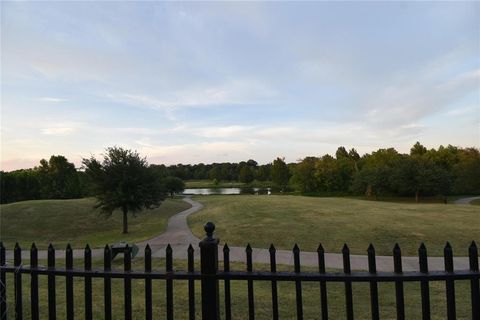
<point>226,268</point>
<point>248,251</point>
<point>474,285</point>
<point>52,303</point>
<point>372,268</point>
<point>148,258</point>
<point>450,286</point>
<point>397,259</point>
<point>17,262</point>
<point>191,284</point>
<point>251,304</point>
<point>346,259</point>
<point>148,283</point>
<point>87,265</point>
<point>127,282</point>
<point>448,257</point>
<point>424,286</point>
<point>169,286</point>
<point>323,283</point>
<point>273,268</point>
<point>296,257</point>
<point>226,258</point>
<point>372,264</point>
<point>348,284</point>
<point>107,283</point>
<point>298,283</point>
<point>397,268</point>
<point>69,282</point>
<point>34,282</point>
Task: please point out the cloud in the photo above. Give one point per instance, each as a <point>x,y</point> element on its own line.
<point>51,99</point>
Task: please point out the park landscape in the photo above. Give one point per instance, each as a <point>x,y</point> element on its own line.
<point>239,160</point>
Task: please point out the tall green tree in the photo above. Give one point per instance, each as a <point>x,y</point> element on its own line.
<point>304,175</point>
<point>123,180</point>
<point>173,185</point>
<point>280,173</point>
<point>58,178</point>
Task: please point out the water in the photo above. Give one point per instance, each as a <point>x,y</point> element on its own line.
<point>212,191</point>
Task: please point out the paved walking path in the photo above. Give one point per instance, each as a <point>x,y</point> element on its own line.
<point>466,200</point>
<point>179,236</point>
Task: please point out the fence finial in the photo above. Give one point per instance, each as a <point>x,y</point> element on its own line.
<point>209,229</point>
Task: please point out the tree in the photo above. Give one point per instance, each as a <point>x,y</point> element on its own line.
<point>304,175</point>
<point>173,185</point>
<point>58,178</point>
<point>246,174</point>
<point>280,173</point>
<point>123,180</point>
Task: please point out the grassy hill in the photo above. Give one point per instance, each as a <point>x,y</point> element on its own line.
<point>285,220</point>
<point>75,221</point>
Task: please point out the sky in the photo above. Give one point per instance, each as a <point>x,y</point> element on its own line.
<point>192,82</point>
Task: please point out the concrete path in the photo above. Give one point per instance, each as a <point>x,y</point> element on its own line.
<point>179,236</point>
<point>466,200</point>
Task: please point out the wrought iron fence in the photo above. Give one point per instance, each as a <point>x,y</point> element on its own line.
<point>211,277</point>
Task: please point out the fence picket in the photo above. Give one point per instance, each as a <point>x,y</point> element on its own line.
<point>372,268</point>
<point>450,285</point>
<point>191,284</point>
<point>148,283</point>
<point>323,283</point>
<point>169,287</point>
<point>273,269</point>
<point>397,268</point>
<point>474,283</point>
<point>298,283</point>
<point>17,281</point>
<point>34,283</point>
<point>107,283</point>
<point>251,303</point>
<point>424,286</point>
<point>348,283</point>
<point>69,282</point>
<point>127,282</point>
<point>52,302</point>
<point>226,268</point>
<point>87,266</point>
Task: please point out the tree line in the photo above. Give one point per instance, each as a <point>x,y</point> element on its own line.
<point>421,172</point>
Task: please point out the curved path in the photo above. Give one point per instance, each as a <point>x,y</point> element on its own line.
<point>466,200</point>
<point>179,236</point>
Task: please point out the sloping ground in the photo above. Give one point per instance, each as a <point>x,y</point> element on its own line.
<point>284,220</point>
<point>75,221</point>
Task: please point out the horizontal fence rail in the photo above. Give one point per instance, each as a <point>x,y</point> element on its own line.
<point>210,276</point>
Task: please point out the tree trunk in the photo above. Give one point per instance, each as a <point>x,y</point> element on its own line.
<point>125,220</point>
<point>417,194</point>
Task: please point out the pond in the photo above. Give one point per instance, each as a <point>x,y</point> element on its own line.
<point>212,191</point>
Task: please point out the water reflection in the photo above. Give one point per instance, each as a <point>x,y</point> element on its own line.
<point>212,191</point>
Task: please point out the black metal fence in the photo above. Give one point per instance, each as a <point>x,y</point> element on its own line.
<point>210,277</point>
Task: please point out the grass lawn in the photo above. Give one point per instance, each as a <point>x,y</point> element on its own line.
<point>75,221</point>
<point>262,292</point>
<point>475,202</point>
<point>285,220</point>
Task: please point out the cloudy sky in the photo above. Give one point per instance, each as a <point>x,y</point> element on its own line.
<point>213,82</point>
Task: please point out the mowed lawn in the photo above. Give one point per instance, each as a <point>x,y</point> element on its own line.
<point>77,222</point>
<point>285,220</point>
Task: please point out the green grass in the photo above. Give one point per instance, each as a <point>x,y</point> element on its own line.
<point>307,221</point>
<point>262,292</point>
<point>475,202</point>
<point>76,222</point>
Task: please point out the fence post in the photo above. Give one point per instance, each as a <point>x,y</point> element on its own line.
<point>209,268</point>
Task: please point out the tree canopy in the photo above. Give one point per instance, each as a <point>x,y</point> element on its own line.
<point>123,180</point>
